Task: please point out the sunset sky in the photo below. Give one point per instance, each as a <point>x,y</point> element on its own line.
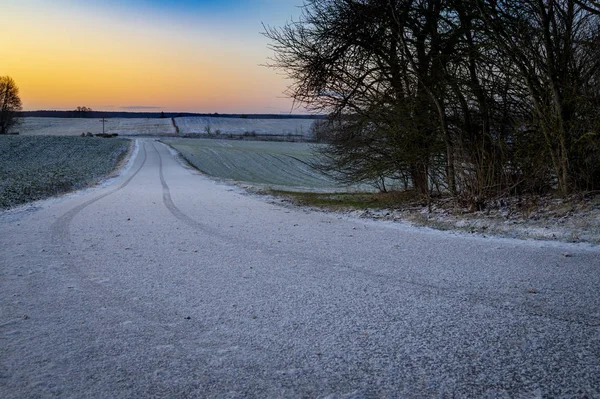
<point>144,55</point>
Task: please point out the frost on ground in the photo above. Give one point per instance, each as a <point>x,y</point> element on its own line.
<point>34,126</point>
<point>244,126</point>
<point>34,168</point>
<point>266,164</point>
<point>573,219</point>
<point>568,220</point>
<point>288,128</point>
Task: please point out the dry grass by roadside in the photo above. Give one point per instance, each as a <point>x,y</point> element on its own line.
<point>349,200</point>
<point>572,219</point>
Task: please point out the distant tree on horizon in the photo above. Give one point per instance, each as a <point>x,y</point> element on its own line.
<point>10,104</point>
<point>82,112</point>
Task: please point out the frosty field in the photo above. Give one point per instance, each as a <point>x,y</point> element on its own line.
<point>262,163</point>
<point>241,126</point>
<point>34,126</point>
<point>289,127</point>
<point>33,168</point>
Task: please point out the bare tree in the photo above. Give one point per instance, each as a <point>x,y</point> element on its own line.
<point>477,98</point>
<point>10,104</point>
<point>347,59</point>
<point>82,111</point>
<point>555,47</point>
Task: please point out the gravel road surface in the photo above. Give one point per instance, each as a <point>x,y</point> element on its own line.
<point>165,284</point>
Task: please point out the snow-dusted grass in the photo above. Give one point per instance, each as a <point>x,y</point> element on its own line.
<point>241,126</point>
<point>33,126</point>
<point>262,163</point>
<point>213,126</point>
<point>33,168</point>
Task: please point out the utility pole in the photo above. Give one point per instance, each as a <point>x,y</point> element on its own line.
<point>103,120</point>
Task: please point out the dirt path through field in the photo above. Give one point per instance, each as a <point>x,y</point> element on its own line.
<point>175,126</point>
<point>167,284</point>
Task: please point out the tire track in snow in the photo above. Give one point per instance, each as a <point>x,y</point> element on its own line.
<point>175,211</point>
<point>60,228</point>
<point>60,237</point>
<point>497,301</point>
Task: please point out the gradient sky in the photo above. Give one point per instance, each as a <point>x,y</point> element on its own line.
<point>144,55</point>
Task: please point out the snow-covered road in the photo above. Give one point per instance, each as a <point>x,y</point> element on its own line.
<point>167,284</point>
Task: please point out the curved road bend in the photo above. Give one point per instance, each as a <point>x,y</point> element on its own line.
<point>166,284</point>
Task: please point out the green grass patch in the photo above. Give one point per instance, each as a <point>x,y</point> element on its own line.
<point>355,200</point>
<point>37,167</point>
<point>279,165</point>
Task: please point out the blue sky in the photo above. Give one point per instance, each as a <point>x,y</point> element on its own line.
<point>182,55</point>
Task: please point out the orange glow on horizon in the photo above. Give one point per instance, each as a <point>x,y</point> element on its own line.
<point>63,59</point>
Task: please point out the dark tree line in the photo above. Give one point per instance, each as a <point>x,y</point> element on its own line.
<point>477,98</point>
